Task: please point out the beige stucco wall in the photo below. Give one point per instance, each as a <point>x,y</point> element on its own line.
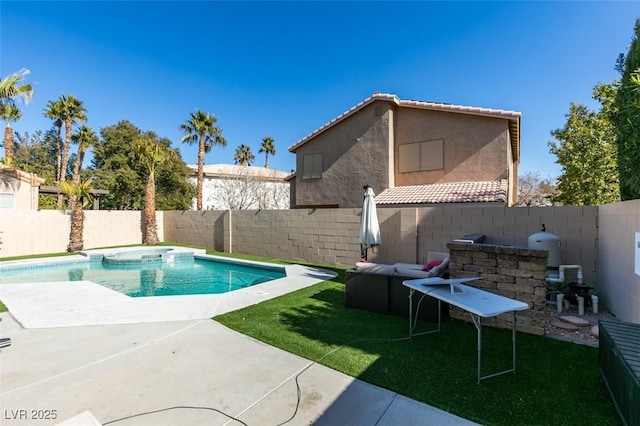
<point>475,148</point>
<point>364,149</point>
<point>355,153</point>
<point>25,232</point>
<point>619,256</point>
<point>25,194</point>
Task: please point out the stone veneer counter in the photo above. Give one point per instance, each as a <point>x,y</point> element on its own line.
<point>514,272</point>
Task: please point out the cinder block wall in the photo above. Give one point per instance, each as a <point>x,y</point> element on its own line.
<point>517,273</point>
<point>577,228</point>
<point>619,259</point>
<point>325,236</point>
<point>200,228</point>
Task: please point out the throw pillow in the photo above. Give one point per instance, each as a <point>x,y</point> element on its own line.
<point>429,266</point>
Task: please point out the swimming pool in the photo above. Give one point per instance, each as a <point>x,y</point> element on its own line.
<point>148,273</point>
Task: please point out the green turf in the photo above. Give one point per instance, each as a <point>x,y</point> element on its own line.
<point>556,383</point>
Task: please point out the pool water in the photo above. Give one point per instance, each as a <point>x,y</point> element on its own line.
<point>180,277</point>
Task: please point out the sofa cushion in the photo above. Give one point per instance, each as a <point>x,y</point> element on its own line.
<point>375,268</point>
<point>408,266</point>
<point>415,273</point>
<point>441,268</point>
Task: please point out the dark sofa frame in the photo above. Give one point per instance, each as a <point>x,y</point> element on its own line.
<point>384,294</point>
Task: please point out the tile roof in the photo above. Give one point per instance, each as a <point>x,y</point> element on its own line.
<point>513,116</point>
<point>455,192</point>
<point>30,178</point>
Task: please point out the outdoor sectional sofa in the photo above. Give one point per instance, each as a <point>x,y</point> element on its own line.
<point>378,287</point>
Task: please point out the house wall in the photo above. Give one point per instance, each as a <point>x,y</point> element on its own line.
<point>619,258</point>
<point>513,173</point>
<point>221,193</point>
<point>351,150</point>
<point>25,195</point>
<point>475,148</point>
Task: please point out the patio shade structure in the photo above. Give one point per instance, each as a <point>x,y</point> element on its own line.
<point>369,226</point>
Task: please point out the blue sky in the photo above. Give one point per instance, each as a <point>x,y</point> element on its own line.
<point>283,69</point>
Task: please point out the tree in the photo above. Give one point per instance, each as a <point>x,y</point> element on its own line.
<point>79,195</point>
<point>12,88</point>
<point>248,188</point>
<point>628,119</point>
<point>54,111</point>
<point>9,114</point>
<point>86,138</point>
<point>117,169</point>
<point>267,147</point>
<point>36,153</point>
<point>68,110</point>
<point>201,128</point>
<point>151,155</point>
<point>535,191</point>
<point>243,155</point>
<point>587,153</point>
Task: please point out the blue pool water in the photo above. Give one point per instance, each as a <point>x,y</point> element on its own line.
<point>200,275</point>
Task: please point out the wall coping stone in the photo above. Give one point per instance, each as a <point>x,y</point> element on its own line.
<point>499,249</point>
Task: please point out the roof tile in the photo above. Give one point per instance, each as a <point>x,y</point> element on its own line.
<point>512,116</point>
<point>454,192</point>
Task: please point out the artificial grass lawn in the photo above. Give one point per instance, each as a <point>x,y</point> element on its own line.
<point>556,382</point>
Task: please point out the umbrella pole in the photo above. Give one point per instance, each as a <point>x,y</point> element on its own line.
<point>363,252</point>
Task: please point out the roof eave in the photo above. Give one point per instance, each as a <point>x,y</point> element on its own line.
<point>375,97</point>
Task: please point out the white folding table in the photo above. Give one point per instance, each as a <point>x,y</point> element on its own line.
<point>479,303</point>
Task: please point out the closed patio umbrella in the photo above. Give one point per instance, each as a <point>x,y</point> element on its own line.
<point>369,227</point>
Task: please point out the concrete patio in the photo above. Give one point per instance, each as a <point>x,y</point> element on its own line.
<point>88,375</point>
<point>85,355</point>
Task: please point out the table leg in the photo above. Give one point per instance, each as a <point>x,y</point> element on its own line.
<point>411,291</point>
<point>513,339</point>
<point>412,322</point>
<point>478,325</point>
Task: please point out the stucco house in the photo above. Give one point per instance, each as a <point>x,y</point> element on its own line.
<point>237,187</point>
<point>410,153</point>
<point>18,190</point>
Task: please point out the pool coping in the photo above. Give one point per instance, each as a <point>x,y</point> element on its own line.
<point>77,303</point>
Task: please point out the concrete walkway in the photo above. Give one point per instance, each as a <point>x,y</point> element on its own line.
<point>82,356</point>
<point>117,371</point>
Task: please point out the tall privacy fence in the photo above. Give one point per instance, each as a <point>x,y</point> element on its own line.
<point>601,239</point>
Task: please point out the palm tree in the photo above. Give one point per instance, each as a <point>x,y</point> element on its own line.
<point>9,114</point>
<point>79,194</point>
<point>201,128</point>
<point>55,112</point>
<point>267,147</point>
<point>85,137</point>
<point>10,89</point>
<point>243,155</point>
<point>151,155</point>
<point>66,110</point>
